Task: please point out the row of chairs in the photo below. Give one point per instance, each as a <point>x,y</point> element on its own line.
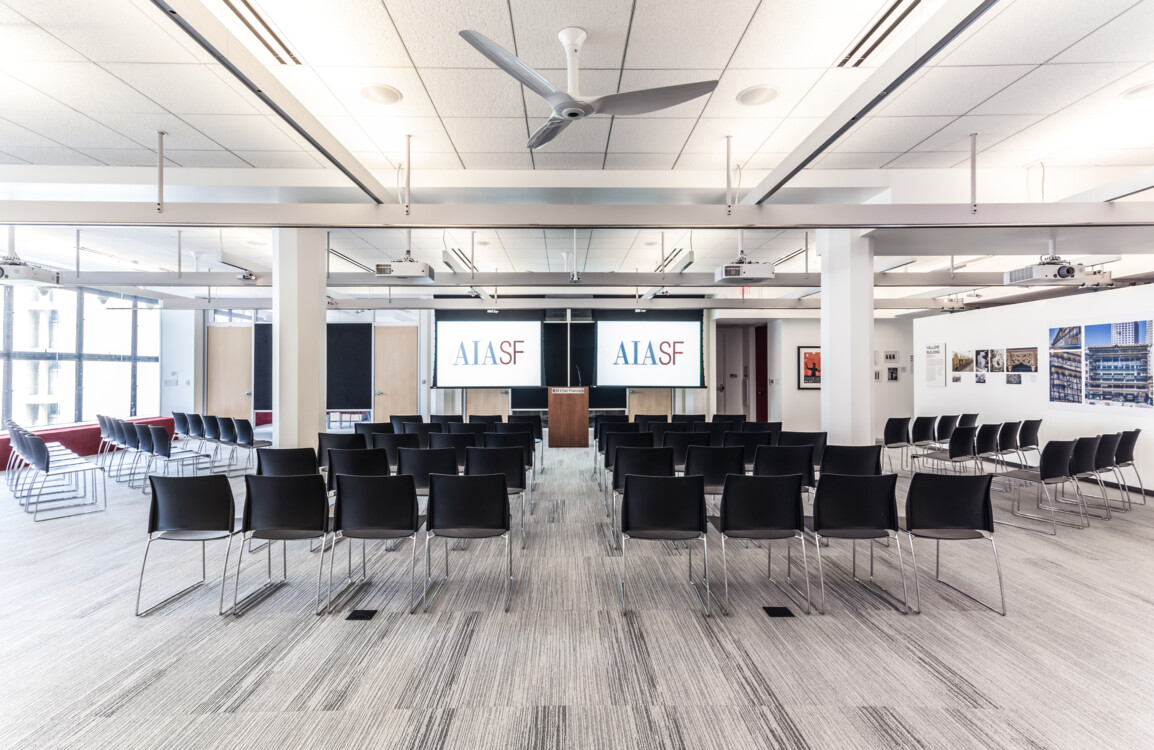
<point>142,447</point>
<point>219,434</point>
<point>50,478</point>
<point>934,433</point>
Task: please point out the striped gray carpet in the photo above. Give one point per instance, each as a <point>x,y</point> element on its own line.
<point>1071,666</point>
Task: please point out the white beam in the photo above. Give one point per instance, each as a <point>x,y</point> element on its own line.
<point>1138,182</point>
<point>547,303</point>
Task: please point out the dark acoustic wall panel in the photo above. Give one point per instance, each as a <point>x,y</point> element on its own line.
<point>554,343</point>
<point>262,367</point>
<point>582,353</point>
<point>529,398</point>
<point>350,366</point>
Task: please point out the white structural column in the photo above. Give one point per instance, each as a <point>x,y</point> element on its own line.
<point>847,334</point>
<point>298,349</point>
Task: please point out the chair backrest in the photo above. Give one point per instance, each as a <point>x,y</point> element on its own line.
<point>369,505</point>
<point>458,442</point>
<point>115,429</point>
<point>422,430</point>
<point>285,503</point>
<point>680,442</point>
<point>986,442</point>
<point>479,503</point>
<point>1028,436</point>
<point>1082,461</point>
<point>660,428</point>
<point>367,429</point>
<point>615,440</point>
<point>486,419</point>
<point>37,452</point>
<point>734,419</point>
<point>945,428</point>
<point>950,501</point>
<point>714,462</point>
<point>896,431</point>
<point>1055,460</point>
<point>644,420</point>
<point>762,503</point>
<point>923,429</point>
<point>180,422</point>
<point>285,462</point>
<point>522,440</point>
<point>445,418</point>
<point>509,428</point>
<point>816,439</point>
<point>363,462</point>
<point>131,439</point>
<point>533,420</point>
<point>195,425</point>
<point>748,426</point>
<point>505,461</point>
<point>962,441</point>
<point>663,504</point>
<point>852,460</point>
<point>613,426</point>
<point>398,421</point>
<point>227,429</point>
<point>143,437</point>
<point>1107,449</point>
<point>688,418</point>
<point>211,428</point>
<point>419,463</point>
<point>715,430</point>
<point>198,503</point>
<point>326,441</point>
<point>628,460</point>
<point>244,434</point>
<point>1008,436</point>
<point>1125,452</point>
<point>783,460</point>
<point>600,419</point>
<point>968,420</point>
<point>161,442</point>
<point>750,441</point>
<point>472,428</point>
<point>856,503</point>
<point>390,442</point>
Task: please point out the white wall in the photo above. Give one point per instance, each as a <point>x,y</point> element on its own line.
<point>893,399</point>
<point>181,360</point>
<point>799,410</point>
<point>1027,325</point>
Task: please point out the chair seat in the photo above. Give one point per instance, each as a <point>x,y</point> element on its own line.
<point>193,536</point>
<point>847,533</point>
<point>1031,476</point>
<point>379,533</point>
<point>256,444</point>
<point>662,534</point>
<point>897,445</point>
<point>752,533</point>
<point>286,534</point>
<point>468,533</point>
<point>954,534</point>
<point>515,490</point>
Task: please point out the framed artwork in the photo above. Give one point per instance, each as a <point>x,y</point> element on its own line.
<point>892,357</point>
<point>877,376</point>
<point>997,360</point>
<point>892,374</point>
<point>809,368</point>
<point>982,360</point>
<point>935,365</point>
<point>963,362</point>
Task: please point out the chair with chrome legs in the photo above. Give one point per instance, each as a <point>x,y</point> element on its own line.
<point>373,507</point>
<point>445,419</point>
<point>212,435</point>
<point>760,426</point>
<point>228,439</point>
<point>1083,466</point>
<point>687,418</point>
<point>246,440</point>
<point>644,420</point>
<point>896,436</point>
<point>610,441</point>
<point>922,433</point>
<point>470,428</point>
<point>507,436</point>
<point>784,460</point>
<point>947,423</point>
<point>360,462</point>
<point>680,442</point>
<point>659,429</point>
<point>603,424</point>
<point>1124,459</point>
<point>986,445</point>
<point>749,443</point>
<point>196,430</point>
<point>1105,465</point>
<point>420,463</point>
<point>950,508</point>
<point>959,450</point>
<point>852,460</point>
<point>367,429</point>
<point>391,443</point>
<point>715,430</point>
<point>669,509</point>
<point>179,424</point>
<point>285,462</point>
<point>853,508</point>
<point>145,455</point>
<point>509,461</point>
<point>398,421</point>
<point>457,441</point>
<point>816,439</point>
<point>521,429</point>
<point>734,419</point>
<point>345,441</point>
<point>1028,439</point>
<point>1053,470</point>
<point>764,508</point>
<point>533,421</point>
<point>463,508</point>
<point>634,460</point>
<point>422,430</point>
<point>189,509</point>
<point>282,509</point>
<point>968,420</point>
<point>714,464</point>
<point>163,451</point>
<point>489,420</point>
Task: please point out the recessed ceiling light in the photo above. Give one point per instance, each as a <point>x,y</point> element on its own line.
<point>755,96</point>
<point>1141,91</point>
<point>381,93</point>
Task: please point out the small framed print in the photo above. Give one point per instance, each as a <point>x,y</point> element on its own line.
<point>892,358</point>
<point>892,374</point>
<point>809,368</point>
<point>877,376</point>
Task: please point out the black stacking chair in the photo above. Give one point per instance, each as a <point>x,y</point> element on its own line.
<point>680,443</point>
<point>858,507</point>
<point>687,418</point>
<point>986,445</point>
<point>189,509</point>
<point>750,442</point>
<point>195,429</point>
<point>640,460</point>
<point>1124,459</point>
<point>760,426</point>
<point>468,428</point>
<point>228,439</point>
<point>367,429</point>
<point>486,419</point>
<point>968,420</point>
<point>446,419</point>
<point>922,433</point>
<point>534,422</point>
<point>1028,438</point>
<point>660,428</point>
<point>946,425</point>
<point>950,508</point>
<point>285,462</point>
<point>668,509</point>
<point>422,430</point>
<point>467,507</point>
<point>458,442</point>
<point>284,509</point>
<point>605,427</point>
<point>610,442</point>
<point>644,420</point>
<point>959,450</point>
<point>344,441</point>
<point>512,428</point>
<point>373,507</point>
<point>163,452</point>
<point>391,442</point>
<point>714,463</point>
<point>852,460</point>
<point>1083,465</point>
<point>715,430</point>
<point>144,446</point>
<point>361,462</point>
<point>246,439</point>
<point>784,460</point>
<point>734,419</point>
<point>419,463</point>
<point>1053,470</point>
<point>1008,443</point>
<point>516,439</point>
<point>179,423</point>
<point>764,508</point>
<point>398,421</point>
<point>508,462</point>
<point>816,439</point>
<point>896,436</point>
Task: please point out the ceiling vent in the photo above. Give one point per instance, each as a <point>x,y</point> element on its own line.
<point>262,30</point>
<point>882,29</point>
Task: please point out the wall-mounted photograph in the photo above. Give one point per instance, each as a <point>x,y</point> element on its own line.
<point>982,360</point>
<point>1022,360</point>
<point>809,368</point>
<point>997,360</point>
<point>980,377</point>
<point>892,357</point>
<point>1014,378</point>
<point>892,374</point>
<point>962,362</point>
<point>1117,357</point>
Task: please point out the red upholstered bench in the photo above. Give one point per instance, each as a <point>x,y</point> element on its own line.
<point>81,439</point>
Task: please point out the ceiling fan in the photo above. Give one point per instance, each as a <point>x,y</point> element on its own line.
<point>571,105</point>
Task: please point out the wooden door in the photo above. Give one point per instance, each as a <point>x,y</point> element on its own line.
<point>229,369</point>
<point>650,401</point>
<point>394,371</point>
<point>487,401</point>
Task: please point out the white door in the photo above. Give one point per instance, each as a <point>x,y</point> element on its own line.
<point>731,379</point>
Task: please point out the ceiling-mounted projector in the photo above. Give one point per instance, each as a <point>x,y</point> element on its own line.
<point>742,273</point>
<point>15,271</point>
<point>406,270</point>
<point>1051,271</point>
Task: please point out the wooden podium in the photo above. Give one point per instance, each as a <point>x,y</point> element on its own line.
<point>568,417</point>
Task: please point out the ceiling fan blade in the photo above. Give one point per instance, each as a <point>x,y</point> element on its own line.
<point>650,100</point>
<point>506,61</point>
<point>547,132</point>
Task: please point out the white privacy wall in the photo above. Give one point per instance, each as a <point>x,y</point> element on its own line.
<point>1025,325</point>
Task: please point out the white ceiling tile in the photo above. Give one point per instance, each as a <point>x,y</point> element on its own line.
<point>951,90</point>
<point>791,85</point>
<point>789,134</point>
<point>1127,38</point>
<point>184,89</point>
<point>63,156</point>
<point>15,136</point>
<point>512,160</point>
<point>141,128</point>
<point>1134,158</point>
<point>353,134</point>
<point>854,160</point>
<point>22,40</point>
<point>764,161</point>
<point>429,29</point>
<point>701,162</point>
<point>35,111</point>
<point>881,134</point>
<point>474,93</point>
<point>587,135</point>
<point>375,160</point>
<point>803,33</point>
<point>592,83</point>
<point>668,33</point>
<point>126,157</point>
<point>1052,87</point>
<point>205,158</point>
<point>347,32</point>
<point>635,80</point>
<point>243,132</point>
<point>495,134</point>
<point>996,158</point>
<point>605,21</point>
<point>649,135</point>
<point>639,161</point>
<point>990,129</point>
<point>425,160</point>
<point>388,134</point>
<point>346,84</point>
<point>553,160</point>
<point>83,86</point>
<point>748,134</point>
<point>931,160</point>
<point>281,159</point>
<point>1084,157</point>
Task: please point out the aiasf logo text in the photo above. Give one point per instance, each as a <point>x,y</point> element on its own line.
<point>505,353</point>
<point>643,353</point>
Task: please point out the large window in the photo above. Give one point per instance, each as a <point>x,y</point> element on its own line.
<point>70,354</point>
